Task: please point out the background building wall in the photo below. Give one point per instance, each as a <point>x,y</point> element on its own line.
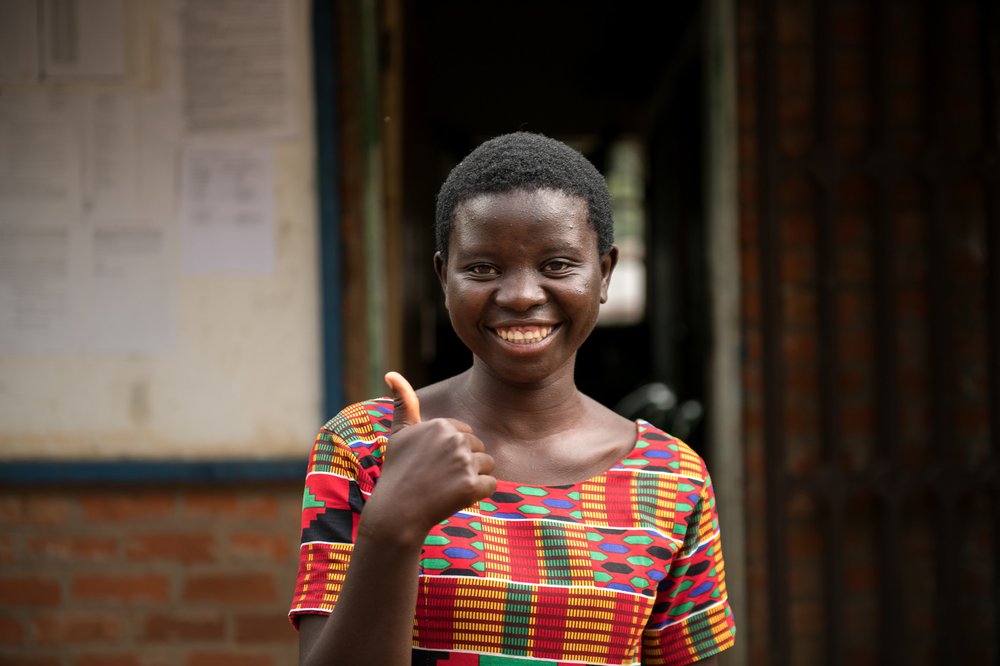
<point>151,572</point>
<point>870,263</point>
<point>228,365</point>
<point>173,575</point>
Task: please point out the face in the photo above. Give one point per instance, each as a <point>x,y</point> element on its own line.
<point>523,281</point>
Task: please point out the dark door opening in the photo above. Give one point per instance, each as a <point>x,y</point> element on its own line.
<point>594,75</point>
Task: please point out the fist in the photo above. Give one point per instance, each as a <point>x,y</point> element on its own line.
<point>432,468</point>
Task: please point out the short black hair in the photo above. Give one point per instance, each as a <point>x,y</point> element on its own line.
<point>525,161</point>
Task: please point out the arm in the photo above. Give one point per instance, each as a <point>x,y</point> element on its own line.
<point>431,470</point>
<point>692,620</point>
<point>381,583</point>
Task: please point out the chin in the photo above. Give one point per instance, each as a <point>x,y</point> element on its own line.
<point>526,373</point>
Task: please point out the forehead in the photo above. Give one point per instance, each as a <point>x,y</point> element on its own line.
<point>540,205</point>
<point>523,223</point>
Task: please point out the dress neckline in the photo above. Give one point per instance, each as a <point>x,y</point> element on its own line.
<point>639,424</point>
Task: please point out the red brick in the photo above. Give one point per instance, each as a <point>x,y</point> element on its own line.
<point>107,660</point>
<point>228,659</point>
<point>185,548</point>
<point>849,68</point>
<point>750,266</point>
<point>220,504</point>
<point>73,548</point>
<point>794,26</point>
<point>972,419</point>
<point>11,510</point>
<point>747,148</point>
<point>798,231</point>
<point>803,580</point>
<point>795,75</point>
<point>854,310</point>
<point>909,268</point>
<point>863,655</point>
<point>797,192</point>
<point>30,591</point>
<point>801,380</point>
<point>264,628</point>
<point>855,346</point>
<point>797,266</point>
<point>861,578</point>
<point>799,347</point>
<point>137,656</point>
<point>850,24</point>
<point>851,226</point>
<point>852,380</point>
<point>237,588</point>
<point>754,345</point>
<point>799,307</point>
<point>807,617</point>
<point>851,110</point>
<point>45,510</point>
<point>129,588</point>
<point>78,627</point>
<point>796,132</point>
<point>184,626</point>
<point>31,660</point>
<point>126,506</point>
<point>851,143</point>
<point>751,308</point>
<point>8,549</point>
<point>854,265</point>
<point>799,422</point>
<point>904,106</point>
<point>11,631</point>
<point>753,420</point>
<point>912,381</point>
<point>270,547</point>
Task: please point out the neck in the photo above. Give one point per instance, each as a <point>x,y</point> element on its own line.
<point>521,411</point>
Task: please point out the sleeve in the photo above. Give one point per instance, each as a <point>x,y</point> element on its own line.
<point>691,617</point>
<point>343,468</point>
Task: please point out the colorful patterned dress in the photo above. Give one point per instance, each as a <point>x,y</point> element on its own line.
<point>624,568</point>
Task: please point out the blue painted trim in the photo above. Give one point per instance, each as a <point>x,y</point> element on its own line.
<point>325,85</point>
<point>37,473</point>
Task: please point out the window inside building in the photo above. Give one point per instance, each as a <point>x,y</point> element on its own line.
<point>625,175</point>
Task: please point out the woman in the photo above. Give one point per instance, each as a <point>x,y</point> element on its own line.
<point>508,518</point>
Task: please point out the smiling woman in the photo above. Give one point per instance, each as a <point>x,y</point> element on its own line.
<point>523,281</point>
<point>501,516</point>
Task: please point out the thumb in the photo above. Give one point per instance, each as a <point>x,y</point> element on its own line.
<point>406,407</point>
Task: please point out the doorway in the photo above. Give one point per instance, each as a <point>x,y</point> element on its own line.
<point>598,76</point>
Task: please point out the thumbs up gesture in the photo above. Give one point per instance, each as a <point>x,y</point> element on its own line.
<point>432,469</point>
<point>406,407</point>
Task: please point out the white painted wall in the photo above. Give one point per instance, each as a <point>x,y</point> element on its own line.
<point>241,377</point>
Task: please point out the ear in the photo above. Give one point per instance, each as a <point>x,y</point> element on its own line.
<point>441,270</point>
<point>608,263</point>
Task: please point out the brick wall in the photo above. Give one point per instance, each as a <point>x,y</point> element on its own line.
<point>171,576</point>
<point>872,278</point>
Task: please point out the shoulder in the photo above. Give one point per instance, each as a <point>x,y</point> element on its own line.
<point>358,432</point>
<point>657,451</point>
<point>361,420</point>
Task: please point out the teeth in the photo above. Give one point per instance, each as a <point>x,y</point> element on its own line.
<point>524,335</point>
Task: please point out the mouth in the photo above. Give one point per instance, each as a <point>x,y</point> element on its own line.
<point>524,335</point>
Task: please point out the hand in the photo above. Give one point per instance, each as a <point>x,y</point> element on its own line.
<point>432,469</point>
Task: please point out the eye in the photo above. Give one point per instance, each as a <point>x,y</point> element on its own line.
<point>483,270</point>
<point>557,266</point>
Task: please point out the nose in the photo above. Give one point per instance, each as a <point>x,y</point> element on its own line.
<point>520,291</point>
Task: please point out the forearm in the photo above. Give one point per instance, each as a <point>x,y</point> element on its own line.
<point>381,582</point>
<point>430,470</point>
